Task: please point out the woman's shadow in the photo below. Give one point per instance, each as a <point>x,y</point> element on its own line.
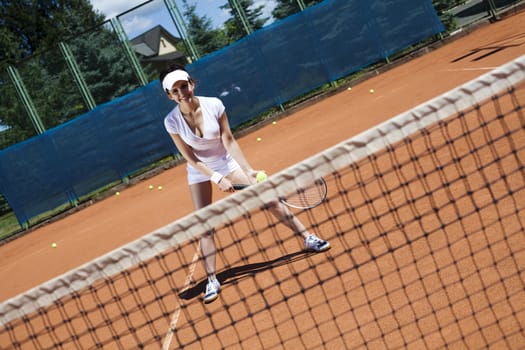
<point>236,273</point>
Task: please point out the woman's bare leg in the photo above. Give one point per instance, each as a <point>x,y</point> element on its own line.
<point>279,210</point>
<point>201,195</point>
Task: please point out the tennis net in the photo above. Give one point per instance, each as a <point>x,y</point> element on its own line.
<point>425,215</point>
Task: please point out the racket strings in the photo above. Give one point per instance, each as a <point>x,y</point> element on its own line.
<point>308,197</point>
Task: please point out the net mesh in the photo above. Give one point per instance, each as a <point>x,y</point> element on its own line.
<point>427,231</point>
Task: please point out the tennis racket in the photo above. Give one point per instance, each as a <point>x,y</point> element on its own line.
<point>303,198</point>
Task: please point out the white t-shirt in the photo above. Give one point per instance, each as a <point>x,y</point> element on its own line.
<point>208,148</point>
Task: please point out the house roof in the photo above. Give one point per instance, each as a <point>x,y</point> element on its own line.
<point>167,57</point>
<point>147,44</point>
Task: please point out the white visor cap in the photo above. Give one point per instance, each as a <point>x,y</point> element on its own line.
<point>174,77</point>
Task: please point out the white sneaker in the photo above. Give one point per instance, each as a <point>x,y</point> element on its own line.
<point>314,243</point>
<point>213,288</point>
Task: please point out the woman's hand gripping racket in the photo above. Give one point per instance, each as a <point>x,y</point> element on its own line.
<point>304,198</point>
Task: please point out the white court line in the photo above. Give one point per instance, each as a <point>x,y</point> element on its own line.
<point>467,69</point>
<point>176,314</point>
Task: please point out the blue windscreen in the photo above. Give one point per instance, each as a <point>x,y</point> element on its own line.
<point>271,66</point>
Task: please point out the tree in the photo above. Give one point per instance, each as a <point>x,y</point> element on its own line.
<point>234,27</point>
<point>286,8</point>
<point>9,49</point>
<point>12,116</point>
<point>103,64</point>
<point>28,28</point>
<point>31,26</point>
<point>201,32</point>
<point>29,37</point>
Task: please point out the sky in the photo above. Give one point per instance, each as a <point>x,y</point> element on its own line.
<point>151,14</point>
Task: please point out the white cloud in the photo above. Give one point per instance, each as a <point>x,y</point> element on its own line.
<point>147,16</point>
<point>135,22</point>
<point>269,5</point>
<point>114,7</point>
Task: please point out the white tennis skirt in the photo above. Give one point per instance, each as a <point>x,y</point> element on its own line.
<point>224,165</point>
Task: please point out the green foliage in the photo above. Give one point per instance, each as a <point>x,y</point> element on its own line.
<point>35,29</point>
<point>27,28</point>
<point>201,32</point>
<point>442,7</point>
<point>8,224</point>
<point>233,27</point>
<point>12,115</point>
<point>32,26</point>
<point>286,8</point>
<point>207,39</point>
<point>51,88</point>
<point>9,50</point>
<point>104,65</point>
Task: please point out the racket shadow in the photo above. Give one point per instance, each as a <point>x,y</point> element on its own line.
<point>235,274</point>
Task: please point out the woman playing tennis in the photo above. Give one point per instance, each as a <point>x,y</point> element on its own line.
<point>200,130</point>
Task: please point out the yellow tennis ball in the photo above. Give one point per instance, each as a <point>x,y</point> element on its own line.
<point>150,187</point>
<point>259,139</point>
<point>117,193</point>
<point>53,245</point>
<point>372,91</point>
<point>261,176</point>
<point>159,188</point>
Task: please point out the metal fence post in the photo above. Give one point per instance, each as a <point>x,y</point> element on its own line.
<point>26,99</point>
<point>301,4</point>
<point>130,53</point>
<point>178,20</point>
<point>492,9</point>
<point>77,75</point>
<point>242,16</point>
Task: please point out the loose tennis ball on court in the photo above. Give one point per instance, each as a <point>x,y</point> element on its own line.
<point>159,188</point>
<point>259,139</point>
<point>261,176</point>
<point>372,91</point>
<point>150,187</point>
<point>274,122</point>
<point>117,193</point>
<point>53,245</point>
<point>349,88</point>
